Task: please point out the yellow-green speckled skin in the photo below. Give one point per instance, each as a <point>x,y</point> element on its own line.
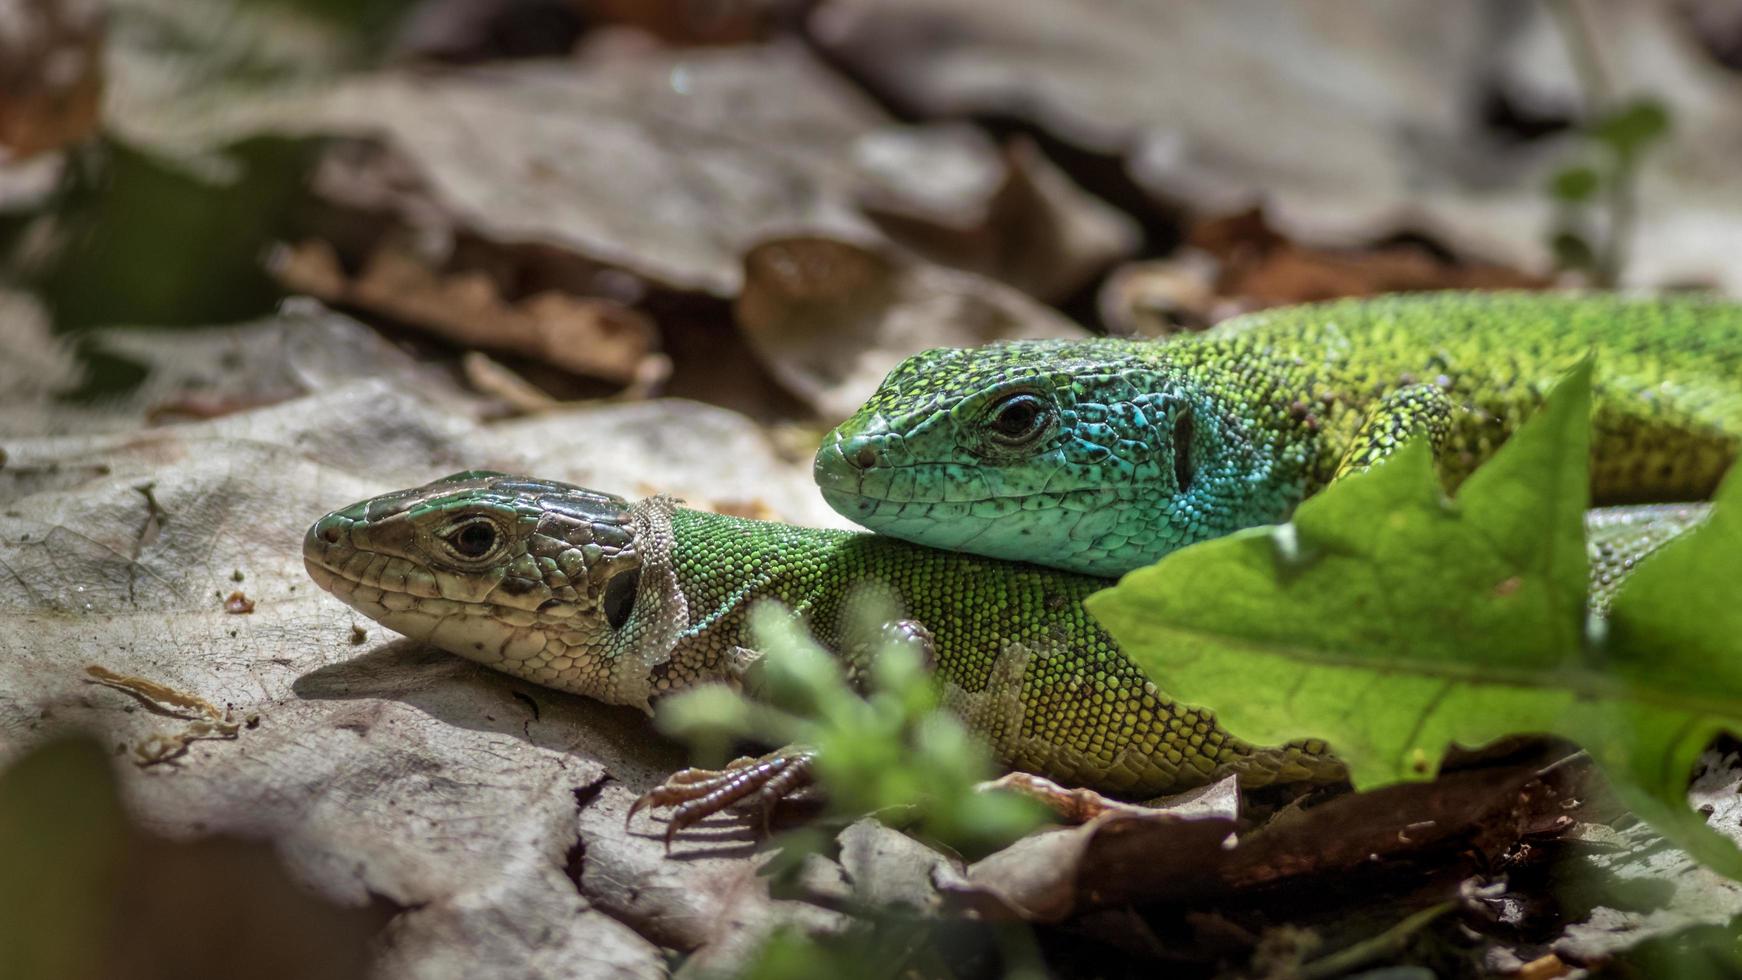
<point>1018,656</point>
<point>1272,406</point>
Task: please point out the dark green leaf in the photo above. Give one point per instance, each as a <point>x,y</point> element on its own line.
<point>1575,184</point>
<point>1632,127</point>
<point>1393,622</point>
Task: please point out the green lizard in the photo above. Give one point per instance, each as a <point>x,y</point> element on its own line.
<point>1102,455</point>
<point>583,592</point>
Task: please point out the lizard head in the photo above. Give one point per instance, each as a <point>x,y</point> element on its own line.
<point>1093,456</point>
<point>539,579</point>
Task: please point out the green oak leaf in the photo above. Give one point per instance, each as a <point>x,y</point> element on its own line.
<point>1392,622</point>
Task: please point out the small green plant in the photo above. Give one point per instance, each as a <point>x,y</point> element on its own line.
<point>1596,200</point>
<point>895,751</point>
<point>880,947</point>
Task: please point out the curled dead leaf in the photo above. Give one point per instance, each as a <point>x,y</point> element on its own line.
<point>51,74</point>
<point>830,318</point>
<point>1239,262</point>
<point>1199,850</point>
<point>595,337</point>
<point>953,196</point>
<point>204,720</point>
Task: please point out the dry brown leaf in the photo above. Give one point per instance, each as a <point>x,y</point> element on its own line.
<point>830,318</point>
<point>206,373</point>
<point>688,22</point>
<point>1542,968</point>
<point>1348,122</point>
<point>589,336</point>
<point>1201,853</point>
<point>1239,263</point>
<point>1261,267</point>
<point>666,165</point>
<point>51,74</point>
<point>953,196</point>
<point>381,768</point>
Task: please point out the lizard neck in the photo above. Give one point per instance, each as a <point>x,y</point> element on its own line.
<point>1260,428</point>
<point>1301,402</point>
<point>719,568</point>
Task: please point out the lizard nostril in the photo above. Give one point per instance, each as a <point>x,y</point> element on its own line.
<point>865,458</point>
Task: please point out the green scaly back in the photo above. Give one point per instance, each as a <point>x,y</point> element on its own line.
<point>1102,455</point>
<point>584,592</point>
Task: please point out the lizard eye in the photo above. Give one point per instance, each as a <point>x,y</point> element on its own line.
<point>473,539</point>
<point>1018,419</point>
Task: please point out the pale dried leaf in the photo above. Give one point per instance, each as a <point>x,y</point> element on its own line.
<point>208,372</point>
<point>51,74</point>
<point>706,894</point>
<point>1335,113</point>
<point>708,457</point>
<point>381,769</point>
<point>830,318</point>
<point>37,363</point>
<point>666,164</point>
<point>890,870</point>
<point>1347,122</point>
<point>586,335</point>
<point>953,196</point>
<point>1600,891</point>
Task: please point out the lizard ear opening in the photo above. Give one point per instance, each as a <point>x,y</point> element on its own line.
<point>620,597</point>
<point>1182,449</point>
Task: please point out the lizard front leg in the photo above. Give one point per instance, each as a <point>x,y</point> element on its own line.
<point>696,794</point>
<point>1419,409</point>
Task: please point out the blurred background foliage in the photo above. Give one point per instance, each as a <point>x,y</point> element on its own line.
<point>175,152</point>
<point>762,205</point>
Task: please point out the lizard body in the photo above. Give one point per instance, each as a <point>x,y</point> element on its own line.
<point>1102,455</point>
<point>584,592</point>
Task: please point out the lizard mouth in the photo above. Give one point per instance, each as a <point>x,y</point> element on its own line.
<point>857,490</point>
<point>354,591</point>
<point>853,499</point>
<point>364,580</point>
<point>832,471</point>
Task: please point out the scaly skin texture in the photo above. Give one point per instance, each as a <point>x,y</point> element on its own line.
<point>583,592</point>
<point>1100,456</point>
<point>1617,539</point>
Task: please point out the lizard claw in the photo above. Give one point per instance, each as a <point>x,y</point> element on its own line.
<point>695,794</point>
